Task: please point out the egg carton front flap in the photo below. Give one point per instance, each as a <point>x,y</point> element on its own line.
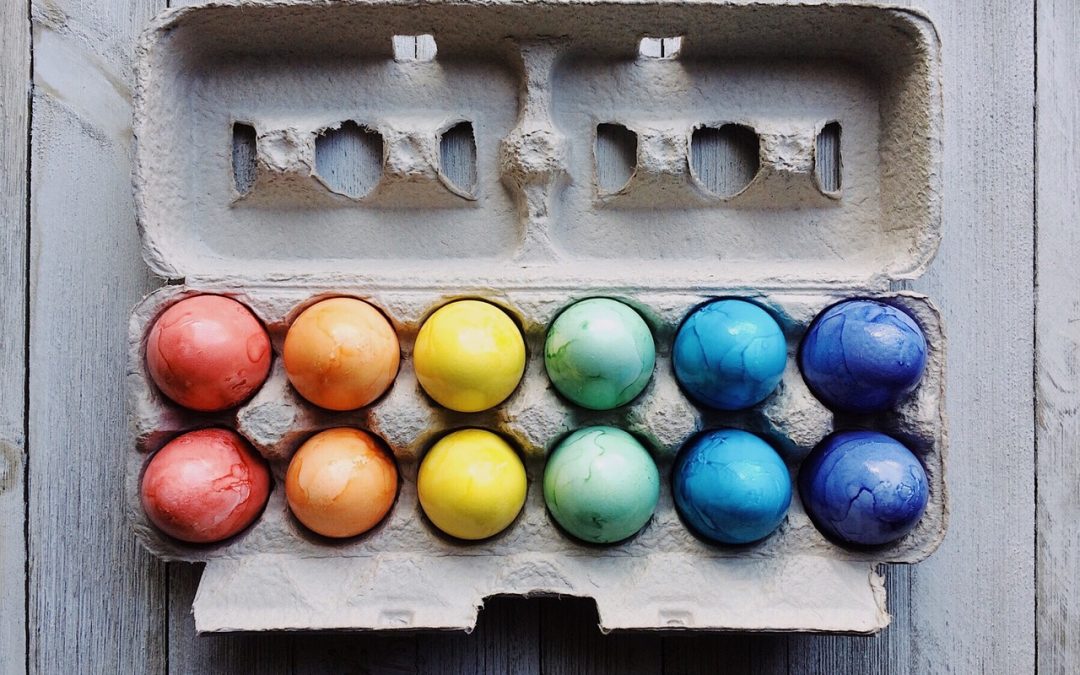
<point>293,142</point>
<point>668,592</point>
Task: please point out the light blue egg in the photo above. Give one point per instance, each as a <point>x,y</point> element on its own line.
<point>731,486</point>
<point>729,354</point>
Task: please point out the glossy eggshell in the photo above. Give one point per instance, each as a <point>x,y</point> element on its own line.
<point>599,353</point>
<point>341,354</point>
<point>729,354</point>
<point>863,488</point>
<point>208,353</point>
<point>341,482</point>
<point>205,486</point>
<point>731,486</point>
<point>601,485</point>
<point>471,484</point>
<point>863,356</point>
<point>469,356</point>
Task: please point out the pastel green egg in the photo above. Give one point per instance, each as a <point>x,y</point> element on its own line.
<point>599,353</point>
<point>601,485</point>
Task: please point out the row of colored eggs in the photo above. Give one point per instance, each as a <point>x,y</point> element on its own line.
<point>210,353</point>
<point>600,485</point>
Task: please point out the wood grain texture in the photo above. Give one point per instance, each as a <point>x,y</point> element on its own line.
<point>96,599</point>
<point>1058,335</point>
<point>99,604</point>
<point>948,614</point>
<point>971,604</point>
<point>571,642</point>
<point>14,118</point>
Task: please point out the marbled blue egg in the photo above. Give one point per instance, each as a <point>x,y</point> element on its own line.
<point>863,356</point>
<point>863,488</point>
<point>731,487</point>
<point>729,354</point>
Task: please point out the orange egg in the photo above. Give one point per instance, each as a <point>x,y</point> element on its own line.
<point>341,354</point>
<point>341,482</point>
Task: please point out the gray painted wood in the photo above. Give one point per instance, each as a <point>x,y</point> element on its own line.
<point>99,604</point>
<point>1058,335</point>
<point>96,599</point>
<point>971,604</point>
<point>14,118</point>
<point>571,643</point>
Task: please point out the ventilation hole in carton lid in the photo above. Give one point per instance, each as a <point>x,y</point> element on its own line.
<point>457,156</point>
<point>724,160</point>
<point>349,159</point>
<point>827,161</point>
<point>243,157</point>
<point>660,47</point>
<point>414,47</point>
<point>616,156</point>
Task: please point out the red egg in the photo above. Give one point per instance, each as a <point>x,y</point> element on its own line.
<point>208,353</point>
<point>205,486</point>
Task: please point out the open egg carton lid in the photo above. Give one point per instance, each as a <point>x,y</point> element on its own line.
<point>658,151</point>
<point>504,144</point>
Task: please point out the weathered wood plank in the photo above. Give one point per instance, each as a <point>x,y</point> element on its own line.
<point>96,599</point>
<point>14,118</point>
<point>972,603</point>
<point>267,654</point>
<point>506,640</point>
<point>571,643</point>
<point>1058,335</point>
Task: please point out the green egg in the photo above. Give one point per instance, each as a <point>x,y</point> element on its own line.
<point>599,353</point>
<point>601,485</point>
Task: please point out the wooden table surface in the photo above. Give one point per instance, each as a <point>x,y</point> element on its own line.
<point>78,594</point>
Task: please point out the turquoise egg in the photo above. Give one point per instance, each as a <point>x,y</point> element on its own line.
<point>599,353</point>
<point>729,354</point>
<point>601,485</point>
<point>731,486</point>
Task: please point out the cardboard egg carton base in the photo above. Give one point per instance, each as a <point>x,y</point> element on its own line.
<point>405,573</point>
<point>532,154</point>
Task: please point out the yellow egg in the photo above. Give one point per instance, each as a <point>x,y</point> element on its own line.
<point>469,356</point>
<point>471,484</point>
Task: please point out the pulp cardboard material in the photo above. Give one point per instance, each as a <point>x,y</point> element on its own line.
<point>489,174</point>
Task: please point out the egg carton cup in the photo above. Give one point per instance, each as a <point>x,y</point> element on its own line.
<point>293,151</point>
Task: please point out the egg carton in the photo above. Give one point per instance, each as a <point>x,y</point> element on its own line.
<point>531,155</point>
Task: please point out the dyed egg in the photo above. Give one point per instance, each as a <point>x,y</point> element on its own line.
<point>341,482</point>
<point>863,488</point>
<point>471,484</point>
<point>207,353</point>
<point>601,485</point>
<point>863,356</point>
<point>205,486</point>
<point>599,353</point>
<point>469,356</point>
<point>731,487</point>
<point>341,354</point>
<point>729,354</point>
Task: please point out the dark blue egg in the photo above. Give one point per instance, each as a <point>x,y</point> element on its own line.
<point>731,487</point>
<point>863,488</point>
<point>729,354</point>
<point>863,356</point>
